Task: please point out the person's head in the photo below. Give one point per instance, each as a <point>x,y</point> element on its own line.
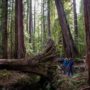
<point>66,58</point>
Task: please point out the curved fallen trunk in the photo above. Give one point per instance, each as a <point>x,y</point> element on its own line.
<point>38,64</point>
<point>44,64</point>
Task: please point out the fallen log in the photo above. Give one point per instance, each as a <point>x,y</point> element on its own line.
<point>44,64</point>
<point>38,64</point>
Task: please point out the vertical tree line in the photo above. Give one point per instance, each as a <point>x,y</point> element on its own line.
<point>43,21</point>
<point>4,27</point>
<point>36,37</point>
<point>19,32</point>
<point>30,21</point>
<point>75,22</point>
<point>69,46</point>
<point>87,30</point>
<point>49,29</point>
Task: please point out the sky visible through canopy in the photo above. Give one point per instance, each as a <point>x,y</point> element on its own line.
<point>78,5</point>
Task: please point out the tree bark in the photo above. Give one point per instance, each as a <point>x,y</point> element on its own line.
<point>75,22</point>
<point>49,31</point>
<point>30,22</point>
<point>12,31</point>
<point>87,29</point>
<point>43,22</point>
<point>4,27</point>
<point>19,32</point>
<point>27,24</point>
<point>69,46</point>
<point>34,28</point>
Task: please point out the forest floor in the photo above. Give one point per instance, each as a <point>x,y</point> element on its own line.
<point>77,82</point>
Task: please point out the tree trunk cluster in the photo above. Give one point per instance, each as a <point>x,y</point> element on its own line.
<point>87,30</point>
<point>68,42</point>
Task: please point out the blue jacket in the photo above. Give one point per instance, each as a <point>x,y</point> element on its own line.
<point>65,63</point>
<point>70,64</point>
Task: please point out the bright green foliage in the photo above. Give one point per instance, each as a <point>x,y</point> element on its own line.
<point>81,39</point>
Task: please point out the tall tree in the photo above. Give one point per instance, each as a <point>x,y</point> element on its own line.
<point>41,24</point>
<point>49,31</point>
<point>87,29</point>
<point>30,22</point>
<point>4,27</point>
<point>75,22</point>
<point>27,24</point>
<point>69,46</point>
<point>43,21</point>
<point>12,28</point>
<point>34,28</point>
<point>19,33</point>
<point>1,19</point>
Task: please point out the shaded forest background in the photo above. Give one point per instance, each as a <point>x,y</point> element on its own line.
<point>25,31</point>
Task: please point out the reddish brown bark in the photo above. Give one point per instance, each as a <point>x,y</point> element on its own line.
<point>75,22</point>
<point>19,33</point>
<point>87,29</point>
<point>43,22</point>
<point>69,46</point>
<point>4,27</point>
<point>49,31</point>
<point>30,22</point>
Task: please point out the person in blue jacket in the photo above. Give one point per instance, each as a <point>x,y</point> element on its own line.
<point>65,65</point>
<point>70,66</point>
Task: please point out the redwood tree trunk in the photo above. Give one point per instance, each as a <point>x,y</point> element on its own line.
<point>49,31</point>
<point>30,22</point>
<point>4,27</point>
<point>27,24</point>
<point>34,28</point>
<point>43,22</point>
<point>75,22</point>
<point>87,29</point>
<point>12,31</point>
<point>19,33</point>
<point>69,46</point>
